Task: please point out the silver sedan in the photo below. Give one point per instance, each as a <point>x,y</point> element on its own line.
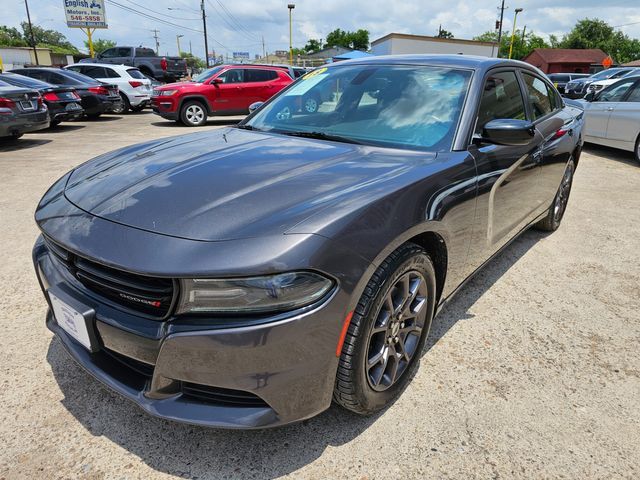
<point>612,116</point>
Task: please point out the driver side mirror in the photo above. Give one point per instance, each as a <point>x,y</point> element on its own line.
<point>590,97</point>
<point>217,81</point>
<point>507,131</point>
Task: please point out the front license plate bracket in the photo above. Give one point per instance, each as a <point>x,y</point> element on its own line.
<point>75,318</point>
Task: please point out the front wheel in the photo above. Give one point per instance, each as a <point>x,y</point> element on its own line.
<point>387,332</point>
<point>193,114</point>
<point>637,150</point>
<point>551,222</point>
<point>121,107</point>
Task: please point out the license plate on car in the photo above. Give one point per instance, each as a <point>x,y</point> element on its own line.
<point>27,105</point>
<point>72,106</point>
<point>71,321</point>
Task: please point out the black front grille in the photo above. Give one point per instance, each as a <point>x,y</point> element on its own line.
<point>149,295</point>
<point>222,396</point>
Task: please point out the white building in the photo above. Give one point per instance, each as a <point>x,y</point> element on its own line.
<point>402,43</point>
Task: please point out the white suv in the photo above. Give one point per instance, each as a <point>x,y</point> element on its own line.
<point>135,88</point>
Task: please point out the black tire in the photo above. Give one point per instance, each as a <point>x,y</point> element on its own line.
<point>125,105</point>
<point>637,150</point>
<point>356,388</point>
<point>94,116</point>
<point>193,113</point>
<point>54,123</point>
<point>552,221</point>
<point>137,108</point>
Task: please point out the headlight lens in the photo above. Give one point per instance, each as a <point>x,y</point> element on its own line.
<point>167,93</point>
<point>273,293</point>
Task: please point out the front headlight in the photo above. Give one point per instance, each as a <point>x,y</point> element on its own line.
<point>167,93</point>
<point>273,293</point>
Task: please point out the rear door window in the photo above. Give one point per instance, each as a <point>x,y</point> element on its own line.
<point>143,52</point>
<point>111,73</point>
<point>538,93</point>
<point>109,53</point>
<point>501,98</point>
<point>94,72</point>
<point>259,75</point>
<point>616,91</point>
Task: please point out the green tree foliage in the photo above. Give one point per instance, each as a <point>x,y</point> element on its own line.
<point>312,46</point>
<point>11,37</point>
<point>444,34</point>
<point>358,40</point>
<point>100,44</point>
<point>193,62</point>
<point>52,39</point>
<point>595,33</point>
<point>521,46</point>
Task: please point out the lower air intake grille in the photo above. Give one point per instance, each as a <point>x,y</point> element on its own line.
<point>222,396</point>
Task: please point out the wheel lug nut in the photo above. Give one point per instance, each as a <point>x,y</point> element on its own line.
<point>402,325</point>
<point>395,340</point>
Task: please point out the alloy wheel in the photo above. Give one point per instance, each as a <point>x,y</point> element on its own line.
<point>560,205</point>
<point>311,105</point>
<point>395,335</point>
<point>194,114</point>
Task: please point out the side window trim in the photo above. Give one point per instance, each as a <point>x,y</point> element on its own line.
<point>525,93</point>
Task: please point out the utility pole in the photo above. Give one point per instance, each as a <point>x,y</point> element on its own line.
<point>524,30</point>
<point>264,52</point>
<point>178,41</point>
<point>190,51</point>
<point>502,7</point>
<point>204,26</point>
<point>33,39</point>
<point>290,6</point>
<point>155,35</point>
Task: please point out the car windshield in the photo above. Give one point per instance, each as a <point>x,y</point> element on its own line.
<point>604,74</point>
<point>206,75</point>
<point>23,81</point>
<point>415,107</point>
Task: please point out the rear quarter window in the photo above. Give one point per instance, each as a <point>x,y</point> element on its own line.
<point>135,73</point>
<point>258,75</point>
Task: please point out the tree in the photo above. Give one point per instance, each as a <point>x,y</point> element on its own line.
<point>312,46</point>
<point>100,44</point>
<point>521,46</point>
<point>358,40</point>
<point>444,34</point>
<point>11,37</point>
<point>595,33</point>
<point>52,39</point>
<point>193,62</point>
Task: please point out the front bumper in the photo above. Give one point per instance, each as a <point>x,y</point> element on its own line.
<point>288,362</point>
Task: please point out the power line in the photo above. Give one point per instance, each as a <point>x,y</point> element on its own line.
<point>238,28</point>
<point>151,17</point>
<point>160,13</point>
<point>236,21</point>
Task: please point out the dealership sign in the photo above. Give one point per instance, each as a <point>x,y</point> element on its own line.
<point>85,13</point>
<point>241,55</point>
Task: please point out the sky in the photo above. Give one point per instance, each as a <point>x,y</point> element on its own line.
<point>241,25</point>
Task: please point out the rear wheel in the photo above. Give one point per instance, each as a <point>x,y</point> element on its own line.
<point>193,114</point>
<point>551,222</point>
<point>137,108</point>
<point>637,150</point>
<point>387,332</point>
<point>54,123</point>
<point>123,106</point>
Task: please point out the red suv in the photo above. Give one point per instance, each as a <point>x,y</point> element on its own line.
<point>222,90</point>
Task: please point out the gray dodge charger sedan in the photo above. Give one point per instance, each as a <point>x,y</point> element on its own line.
<point>249,276</point>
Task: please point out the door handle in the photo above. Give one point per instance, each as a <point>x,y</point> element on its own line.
<point>610,109</point>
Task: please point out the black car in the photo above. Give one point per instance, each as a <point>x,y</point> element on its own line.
<point>21,111</point>
<point>247,277</point>
<point>63,102</point>
<point>560,80</point>
<point>579,87</point>
<point>96,97</point>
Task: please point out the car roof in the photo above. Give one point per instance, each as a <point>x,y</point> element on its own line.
<point>108,65</point>
<point>460,61</point>
<point>256,65</point>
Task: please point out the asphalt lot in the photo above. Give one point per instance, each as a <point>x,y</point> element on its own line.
<point>532,372</point>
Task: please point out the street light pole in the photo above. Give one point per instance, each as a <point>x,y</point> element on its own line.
<point>33,39</point>
<point>291,6</point>
<point>513,33</point>
<point>178,41</point>
<point>204,26</point>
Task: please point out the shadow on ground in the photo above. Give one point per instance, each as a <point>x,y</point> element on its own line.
<point>10,145</point>
<point>60,128</point>
<point>610,153</point>
<point>196,452</point>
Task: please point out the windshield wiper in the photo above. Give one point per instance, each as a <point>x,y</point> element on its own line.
<point>247,127</point>
<point>322,136</point>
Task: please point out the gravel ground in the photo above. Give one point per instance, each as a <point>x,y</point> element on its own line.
<point>533,371</point>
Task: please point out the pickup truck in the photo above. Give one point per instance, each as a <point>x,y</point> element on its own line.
<point>168,69</point>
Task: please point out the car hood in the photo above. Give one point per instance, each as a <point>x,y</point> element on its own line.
<point>230,183</point>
